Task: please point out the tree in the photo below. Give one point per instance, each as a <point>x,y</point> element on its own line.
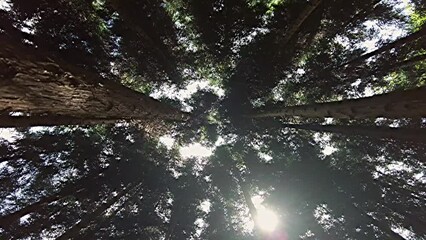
<point>398,104</point>
<point>405,134</point>
<point>259,78</point>
<point>70,96</point>
<point>409,38</point>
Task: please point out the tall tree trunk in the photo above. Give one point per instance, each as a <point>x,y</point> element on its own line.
<point>74,231</point>
<point>397,43</point>
<point>408,62</point>
<point>7,121</point>
<point>247,197</point>
<point>398,104</point>
<point>34,83</point>
<point>384,70</point>
<point>407,134</point>
<point>245,189</point>
<point>295,27</point>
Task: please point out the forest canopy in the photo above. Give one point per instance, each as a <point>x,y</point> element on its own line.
<point>220,119</point>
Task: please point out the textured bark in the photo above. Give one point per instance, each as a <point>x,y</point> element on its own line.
<point>74,231</point>
<point>35,84</point>
<point>406,134</point>
<point>398,104</point>
<point>49,120</point>
<point>397,43</point>
<point>293,29</point>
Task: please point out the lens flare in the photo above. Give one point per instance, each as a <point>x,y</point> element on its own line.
<point>266,220</point>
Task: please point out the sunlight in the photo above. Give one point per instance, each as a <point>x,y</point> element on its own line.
<point>8,134</point>
<point>5,5</point>
<point>195,150</point>
<point>167,140</point>
<point>266,220</point>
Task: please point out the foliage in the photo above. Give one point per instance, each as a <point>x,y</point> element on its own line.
<point>117,181</point>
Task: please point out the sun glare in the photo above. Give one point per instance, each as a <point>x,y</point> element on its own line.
<point>266,220</point>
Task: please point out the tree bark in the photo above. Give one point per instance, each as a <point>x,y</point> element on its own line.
<point>398,104</point>
<point>397,43</point>
<point>7,121</point>
<point>35,84</point>
<point>293,29</point>
<point>406,134</point>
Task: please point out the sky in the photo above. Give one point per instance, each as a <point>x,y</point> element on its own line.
<point>7,133</point>
<point>185,93</point>
<point>4,5</point>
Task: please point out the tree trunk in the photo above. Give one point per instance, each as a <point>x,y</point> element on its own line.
<point>244,187</point>
<point>408,62</point>
<point>383,71</point>
<point>7,121</point>
<point>406,134</point>
<point>293,29</point>
<point>398,104</point>
<point>397,43</point>
<point>249,202</point>
<point>35,84</point>
<point>74,231</point>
